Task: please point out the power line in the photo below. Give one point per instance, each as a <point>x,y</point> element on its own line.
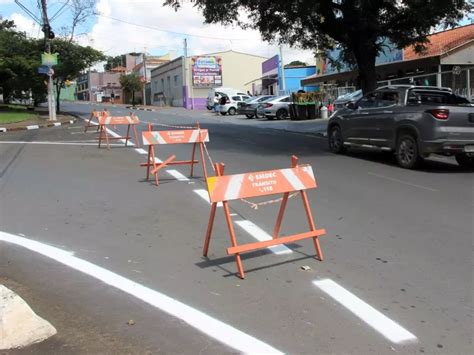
<point>177,33</point>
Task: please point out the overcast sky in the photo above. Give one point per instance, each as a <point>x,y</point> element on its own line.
<point>114,37</point>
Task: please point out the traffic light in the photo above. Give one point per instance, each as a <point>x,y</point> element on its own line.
<point>47,30</point>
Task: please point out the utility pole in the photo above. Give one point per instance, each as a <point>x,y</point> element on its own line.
<point>283,80</point>
<point>144,84</point>
<point>47,40</point>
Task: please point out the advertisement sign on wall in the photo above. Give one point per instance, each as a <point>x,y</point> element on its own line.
<point>207,71</point>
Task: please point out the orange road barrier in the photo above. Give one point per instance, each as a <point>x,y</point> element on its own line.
<point>232,187</point>
<point>195,136</point>
<point>94,115</point>
<point>129,121</point>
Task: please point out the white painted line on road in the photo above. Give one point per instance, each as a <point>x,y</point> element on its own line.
<point>382,324</point>
<point>3,129</point>
<point>57,124</point>
<point>57,143</point>
<point>35,126</point>
<point>212,327</point>
<point>141,151</point>
<point>402,182</point>
<point>259,234</point>
<point>205,196</point>
<point>177,175</point>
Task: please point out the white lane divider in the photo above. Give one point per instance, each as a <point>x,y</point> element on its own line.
<point>177,175</point>
<point>378,321</point>
<point>210,326</point>
<point>259,234</point>
<point>205,196</point>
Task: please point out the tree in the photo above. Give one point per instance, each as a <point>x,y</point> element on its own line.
<point>296,63</point>
<point>72,60</point>
<point>131,83</point>
<point>359,27</point>
<point>19,62</point>
<point>113,62</point>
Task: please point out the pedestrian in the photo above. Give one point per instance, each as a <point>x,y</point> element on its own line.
<point>112,97</point>
<point>248,93</point>
<point>330,107</point>
<point>216,104</point>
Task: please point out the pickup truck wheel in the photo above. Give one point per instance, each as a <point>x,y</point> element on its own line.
<point>336,145</point>
<point>465,161</point>
<point>249,115</point>
<point>407,152</point>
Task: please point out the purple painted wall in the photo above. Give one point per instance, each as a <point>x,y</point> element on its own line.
<point>188,103</point>
<point>270,64</point>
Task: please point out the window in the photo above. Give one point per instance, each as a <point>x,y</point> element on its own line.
<point>236,98</point>
<point>430,97</point>
<point>168,80</point>
<point>286,99</point>
<point>245,98</point>
<point>175,81</point>
<point>379,99</point>
<point>162,84</point>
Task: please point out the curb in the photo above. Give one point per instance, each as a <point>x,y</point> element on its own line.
<point>27,128</point>
<point>141,109</point>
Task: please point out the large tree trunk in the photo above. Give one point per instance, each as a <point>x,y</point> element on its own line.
<point>365,57</point>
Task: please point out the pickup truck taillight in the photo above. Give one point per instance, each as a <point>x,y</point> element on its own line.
<point>439,114</point>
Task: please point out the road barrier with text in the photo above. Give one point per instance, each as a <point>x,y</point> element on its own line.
<point>130,121</point>
<point>196,136</point>
<point>223,189</point>
<point>94,115</point>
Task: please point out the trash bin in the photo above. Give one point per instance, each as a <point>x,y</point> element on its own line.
<point>324,112</point>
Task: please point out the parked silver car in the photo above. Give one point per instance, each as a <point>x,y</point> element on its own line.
<point>249,107</point>
<point>277,107</point>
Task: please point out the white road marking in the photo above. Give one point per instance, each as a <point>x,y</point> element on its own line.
<point>141,151</point>
<point>212,327</point>
<point>259,234</point>
<point>403,182</point>
<point>205,196</point>
<point>177,175</point>
<point>382,324</point>
<point>3,129</point>
<point>35,126</point>
<point>57,124</point>
<point>55,143</point>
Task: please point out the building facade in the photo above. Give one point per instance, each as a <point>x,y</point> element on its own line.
<point>447,61</point>
<point>99,87</point>
<point>172,85</point>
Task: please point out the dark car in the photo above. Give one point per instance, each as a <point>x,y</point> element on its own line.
<point>249,106</point>
<point>411,121</point>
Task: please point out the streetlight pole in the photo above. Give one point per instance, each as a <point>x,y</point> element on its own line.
<point>46,30</point>
<point>282,66</point>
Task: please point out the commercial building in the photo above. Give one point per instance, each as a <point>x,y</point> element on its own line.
<point>447,61</point>
<point>99,87</point>
<point>171,86</point>
<point>276,80</point>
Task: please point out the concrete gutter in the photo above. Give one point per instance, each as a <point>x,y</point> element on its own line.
<point>19,325</point>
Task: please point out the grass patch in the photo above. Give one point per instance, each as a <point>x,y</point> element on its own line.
<point>12,116</point>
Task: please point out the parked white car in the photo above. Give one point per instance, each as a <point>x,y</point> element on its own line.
<point>219,92</point>
<point>231,104</point>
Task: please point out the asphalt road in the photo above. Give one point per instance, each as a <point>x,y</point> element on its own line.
<point>397,275</point>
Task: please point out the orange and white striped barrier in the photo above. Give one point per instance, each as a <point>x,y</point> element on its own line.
<point>196,136</point>
<point>94,115</point>
<point>130,121</point>
<point>221,188</point>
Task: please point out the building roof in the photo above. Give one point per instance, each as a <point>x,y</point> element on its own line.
<point>442,42</point>
<point>119,69</point>
<point>228,51</point>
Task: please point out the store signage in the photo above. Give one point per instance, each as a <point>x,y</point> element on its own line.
<point>49,59</point>
<point>207,71</point>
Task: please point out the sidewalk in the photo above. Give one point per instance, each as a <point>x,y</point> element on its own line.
<point>318,126</point>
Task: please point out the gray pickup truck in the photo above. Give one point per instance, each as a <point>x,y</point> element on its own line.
<point>410,121</point>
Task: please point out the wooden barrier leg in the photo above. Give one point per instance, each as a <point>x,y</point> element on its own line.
<point>192,159</point>
<point>88,123</point>
<point>281,212</point>
<point>203,162</point>
<point>209,228</point>
<point>233,240</point>
<point>101,129</point>
<point>148,161</point>
<point>154,163</point>
<point>127,137</point>
<point>137,142</point>
<point>312,227</point>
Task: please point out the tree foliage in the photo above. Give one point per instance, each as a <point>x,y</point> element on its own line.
<point>131,83</point>
<point>113,62</point>
<point>296,63</point>
<point>72,60</point>
<point>359,27</point>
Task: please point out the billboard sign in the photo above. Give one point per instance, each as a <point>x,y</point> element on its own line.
<point>207,71</point>
<point>49,59</point>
